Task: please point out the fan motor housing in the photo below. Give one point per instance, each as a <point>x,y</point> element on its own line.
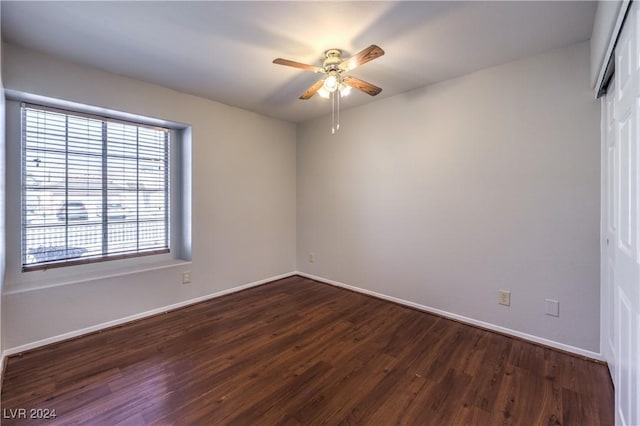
<point>333,59</point>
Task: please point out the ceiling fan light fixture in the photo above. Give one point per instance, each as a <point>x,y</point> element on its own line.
<point>336,80</point>
<point>344,90</point>
<point>331,83</point>
<point>324,93</point>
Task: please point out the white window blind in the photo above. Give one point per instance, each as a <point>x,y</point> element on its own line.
<point>93,188</point>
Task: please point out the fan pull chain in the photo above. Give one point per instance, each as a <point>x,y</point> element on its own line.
<point>335,112</point>
<point>337,92</point>
<point>333,109</point>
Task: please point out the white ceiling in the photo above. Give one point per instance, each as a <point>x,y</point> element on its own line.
<point>223,50</point>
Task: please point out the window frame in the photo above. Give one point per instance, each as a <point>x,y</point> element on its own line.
<point>104,257</point>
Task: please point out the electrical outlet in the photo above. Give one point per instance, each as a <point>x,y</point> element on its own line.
<point>552,307</point>
<point>312,257</point>
<point>504,297</point>
<point>186,277</point>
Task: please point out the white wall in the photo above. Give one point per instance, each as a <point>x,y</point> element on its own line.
<point>439,196</point>
<point>2,198</point>
<point>442,196</point>
<point>244,180</point>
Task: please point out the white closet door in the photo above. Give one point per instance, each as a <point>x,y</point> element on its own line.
<point>609,230</point>
<point>626,270</point>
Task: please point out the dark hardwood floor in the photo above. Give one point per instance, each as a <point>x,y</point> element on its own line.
<point>299,352</point>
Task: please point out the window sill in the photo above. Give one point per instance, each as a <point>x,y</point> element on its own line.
<point>39,280</point>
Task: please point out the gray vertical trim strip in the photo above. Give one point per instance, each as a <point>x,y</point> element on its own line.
<point>166,190</point>
<point>105,190</point>
<point>137,188</point>
<point>23,203</point>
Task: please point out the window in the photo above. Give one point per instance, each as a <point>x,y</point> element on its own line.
<point>93,188</point>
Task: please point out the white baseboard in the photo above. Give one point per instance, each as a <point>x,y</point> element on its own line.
<point>466,320</point>
<point>108,324</point>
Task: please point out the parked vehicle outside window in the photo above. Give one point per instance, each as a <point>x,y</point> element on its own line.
<point>115,211</point>
<point>73,211</point>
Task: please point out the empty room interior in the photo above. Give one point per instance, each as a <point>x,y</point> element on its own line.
<point>321,212</point>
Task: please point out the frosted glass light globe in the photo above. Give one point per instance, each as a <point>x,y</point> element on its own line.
<point>331,83</point>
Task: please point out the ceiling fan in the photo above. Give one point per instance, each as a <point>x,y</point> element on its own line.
<point>335,69</point>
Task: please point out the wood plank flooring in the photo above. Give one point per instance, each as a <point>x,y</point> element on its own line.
<point>296,351</point>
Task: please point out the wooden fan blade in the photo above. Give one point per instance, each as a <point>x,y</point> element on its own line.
<point>361,85</point>
<point>312,90</point>
<point>369,54</point>
<point>295,64</point>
